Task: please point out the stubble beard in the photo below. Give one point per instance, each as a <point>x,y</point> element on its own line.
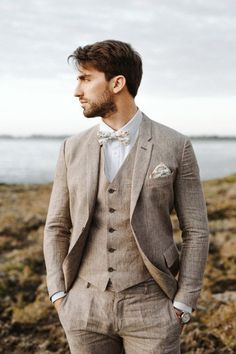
<point>104,106</point>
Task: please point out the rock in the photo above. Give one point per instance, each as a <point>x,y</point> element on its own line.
<point>227,296</point>
<point>29,323</point>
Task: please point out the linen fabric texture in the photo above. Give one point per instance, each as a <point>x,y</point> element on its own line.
<point>72,212</point>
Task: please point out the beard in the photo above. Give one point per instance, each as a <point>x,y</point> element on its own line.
<point>103,107</point>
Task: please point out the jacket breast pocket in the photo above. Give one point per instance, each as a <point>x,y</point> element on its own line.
<point>160,181</point>
<point>159,191</point>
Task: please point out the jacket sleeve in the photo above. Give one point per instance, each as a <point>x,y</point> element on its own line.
<point>58,227</point>
<point>191,210</point>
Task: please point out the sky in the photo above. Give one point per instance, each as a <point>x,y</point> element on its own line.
<point>188,50</point>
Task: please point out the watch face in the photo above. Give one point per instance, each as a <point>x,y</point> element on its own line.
<point>185,317</point>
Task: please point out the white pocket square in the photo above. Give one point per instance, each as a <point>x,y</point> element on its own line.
<point>160,170</point>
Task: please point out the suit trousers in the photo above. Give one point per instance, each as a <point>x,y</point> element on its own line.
<point>137,320</point>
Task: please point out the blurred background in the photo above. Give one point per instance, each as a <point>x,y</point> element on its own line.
<point>189,83</point>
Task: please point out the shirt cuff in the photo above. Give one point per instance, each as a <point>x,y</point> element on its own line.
<point>182,307</point>
<point>57,296</point>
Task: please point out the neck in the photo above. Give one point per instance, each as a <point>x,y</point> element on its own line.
<point>124,113</point>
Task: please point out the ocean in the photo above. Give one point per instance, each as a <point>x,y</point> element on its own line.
<point>33,160</point>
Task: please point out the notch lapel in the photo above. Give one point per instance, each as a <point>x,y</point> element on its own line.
<point>92,167</point>
<point>142,159</point>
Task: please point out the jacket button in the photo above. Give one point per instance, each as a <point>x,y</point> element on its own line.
<point>111,190</point>
<point>111,210</point>
<point>111,229</point>
<point>110,269</point>
<point>111,249</point>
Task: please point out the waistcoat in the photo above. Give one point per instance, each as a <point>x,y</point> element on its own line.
<point>111,252</point>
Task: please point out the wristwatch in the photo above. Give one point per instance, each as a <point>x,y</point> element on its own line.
<point>184,317</point>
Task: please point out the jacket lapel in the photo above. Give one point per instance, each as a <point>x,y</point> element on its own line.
<point>142,159</point>
<point>72,260</point>
<point>141,163</point>
<point>92,167</point>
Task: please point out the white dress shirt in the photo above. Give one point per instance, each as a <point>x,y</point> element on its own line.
<point>115,153</point>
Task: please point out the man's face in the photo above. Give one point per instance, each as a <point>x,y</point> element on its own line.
<point>95,95</point>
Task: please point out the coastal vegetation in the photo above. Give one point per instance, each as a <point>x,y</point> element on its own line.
<point>28,321</point>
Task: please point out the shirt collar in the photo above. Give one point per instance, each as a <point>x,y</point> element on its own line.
<point>131,126</point>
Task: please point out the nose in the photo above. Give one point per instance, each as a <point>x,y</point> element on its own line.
<point>78,91</point>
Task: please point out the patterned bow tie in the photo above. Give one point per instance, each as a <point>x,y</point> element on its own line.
<point>122,136</point>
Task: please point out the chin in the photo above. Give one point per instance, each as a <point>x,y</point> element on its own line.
<point>88,114</point>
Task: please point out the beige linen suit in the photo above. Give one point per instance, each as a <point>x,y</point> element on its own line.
<point>73,199</point>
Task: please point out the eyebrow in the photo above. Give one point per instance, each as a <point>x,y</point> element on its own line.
<point>83,76</point>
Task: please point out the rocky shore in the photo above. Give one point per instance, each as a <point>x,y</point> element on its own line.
<point>29,323</point>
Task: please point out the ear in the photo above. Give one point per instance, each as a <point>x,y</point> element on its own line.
<point>117,83</point>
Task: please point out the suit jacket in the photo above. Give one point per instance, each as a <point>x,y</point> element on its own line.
<point>73,199</point>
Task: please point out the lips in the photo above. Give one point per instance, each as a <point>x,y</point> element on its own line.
<point>83,103</point>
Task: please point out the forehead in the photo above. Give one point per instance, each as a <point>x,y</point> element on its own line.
<point>88,70</point>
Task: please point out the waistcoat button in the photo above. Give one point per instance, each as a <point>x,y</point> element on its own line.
<point>111,190</point>
<point>110,269</point>
<point>111,210</point>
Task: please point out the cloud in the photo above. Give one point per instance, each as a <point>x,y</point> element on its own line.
<point>188,47</point>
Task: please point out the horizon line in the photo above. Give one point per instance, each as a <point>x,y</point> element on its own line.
<point>64,136</point>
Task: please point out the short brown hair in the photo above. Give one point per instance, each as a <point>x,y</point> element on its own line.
<point>113,58</point>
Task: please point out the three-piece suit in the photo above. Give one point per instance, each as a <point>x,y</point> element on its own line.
<point>109,244</point>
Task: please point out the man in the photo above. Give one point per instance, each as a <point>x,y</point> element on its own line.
<point>114,272</point>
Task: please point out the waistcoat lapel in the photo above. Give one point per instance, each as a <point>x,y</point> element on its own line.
<point>142,159</point>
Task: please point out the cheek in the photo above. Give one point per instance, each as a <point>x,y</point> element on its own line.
<point>100,87</point>
<point>92,89</point>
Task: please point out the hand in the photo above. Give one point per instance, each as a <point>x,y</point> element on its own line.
<point>57,303</point>
<point>178,314</point>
